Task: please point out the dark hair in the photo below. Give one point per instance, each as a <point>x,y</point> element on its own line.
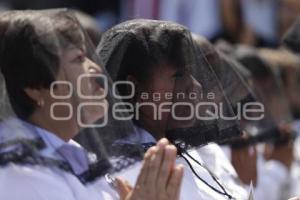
<point>90,25</point>
<point>145,54</point>
<point>29,46</point>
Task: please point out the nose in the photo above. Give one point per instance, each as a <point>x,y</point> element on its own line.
<point>93,68</point>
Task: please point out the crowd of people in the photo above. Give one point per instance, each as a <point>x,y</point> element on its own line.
<point>169,107</point>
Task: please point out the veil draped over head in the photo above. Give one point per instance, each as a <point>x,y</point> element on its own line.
<point>254,80</point>
<point>194,101</point>
<point>268,87</point>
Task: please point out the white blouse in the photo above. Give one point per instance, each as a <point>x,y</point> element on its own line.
<point>30,182</point>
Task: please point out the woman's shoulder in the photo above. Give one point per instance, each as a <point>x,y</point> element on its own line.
<point>32,182</point>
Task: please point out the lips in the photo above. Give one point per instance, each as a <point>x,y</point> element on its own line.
<point>96,85</point>
<point>98,91</point>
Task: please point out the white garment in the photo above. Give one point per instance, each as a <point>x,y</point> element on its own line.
<point>30,182</point>
<point>200,16</point>
<point>192,187</point>
<point>41,183</point>
<point>272,180</point>
<point>294,189</point>
<point>294,184</point>
<point>261,15</point>
<point>271,175</point>
<point>217,161</point>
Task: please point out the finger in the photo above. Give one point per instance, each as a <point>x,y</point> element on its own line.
<point>162,143</point>
<point>155,164</point>
<point>145,166</point>
<point>123,188</point>
<point>174,183</point>
<point>128,186</point>
<point>167,165</point>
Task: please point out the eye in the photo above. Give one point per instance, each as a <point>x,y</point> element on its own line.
<point>80,58</point>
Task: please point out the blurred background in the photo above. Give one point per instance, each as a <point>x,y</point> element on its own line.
<point>254,22</point>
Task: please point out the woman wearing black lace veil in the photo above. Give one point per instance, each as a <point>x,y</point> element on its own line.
<point>153,64</point>
<point>48,73</point>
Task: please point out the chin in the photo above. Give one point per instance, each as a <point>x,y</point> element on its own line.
<point>95,113</point>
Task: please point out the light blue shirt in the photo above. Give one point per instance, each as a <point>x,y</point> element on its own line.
<point>35,182</point>
<point>56,148</point>
<point>140,136</point>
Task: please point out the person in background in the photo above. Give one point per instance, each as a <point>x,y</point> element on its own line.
<point>290,41</point>
<point>275,159</point>
<point>250,158</point>
<point>288,66</point>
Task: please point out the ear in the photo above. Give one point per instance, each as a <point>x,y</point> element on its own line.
<point>35,95</point>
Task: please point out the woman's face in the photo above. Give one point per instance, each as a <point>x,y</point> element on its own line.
<point>155,89</point>
<point>77,71</point>
<point>165,86</point>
